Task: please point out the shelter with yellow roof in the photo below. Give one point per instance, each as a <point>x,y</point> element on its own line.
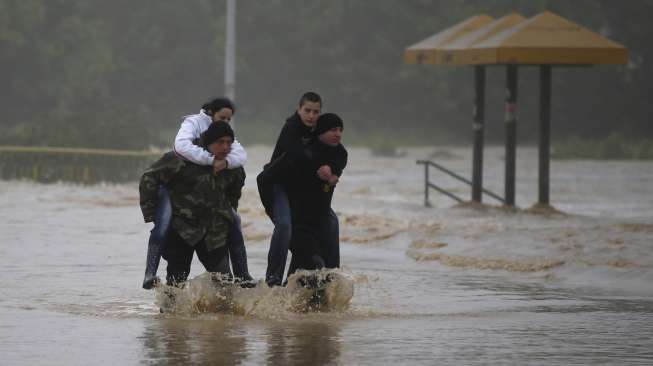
<point>546,40</point>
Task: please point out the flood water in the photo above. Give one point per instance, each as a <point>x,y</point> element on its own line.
<point>449,284</point>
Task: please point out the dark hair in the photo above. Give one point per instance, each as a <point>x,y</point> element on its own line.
<point>310,97</point>
<point>215,105</point>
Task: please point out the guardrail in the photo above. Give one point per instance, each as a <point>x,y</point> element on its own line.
<point>428,184</point>
<point>79,165</point>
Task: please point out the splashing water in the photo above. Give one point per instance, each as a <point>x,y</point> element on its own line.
<point>331,291</point>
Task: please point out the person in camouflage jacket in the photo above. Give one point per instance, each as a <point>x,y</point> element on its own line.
<point>201,205</point>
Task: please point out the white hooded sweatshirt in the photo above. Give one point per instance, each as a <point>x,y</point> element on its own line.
<point>191,128</point>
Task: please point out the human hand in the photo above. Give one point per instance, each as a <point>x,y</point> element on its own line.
<point>219,165</point>
<point>324,172</point>
<point>333,180</point>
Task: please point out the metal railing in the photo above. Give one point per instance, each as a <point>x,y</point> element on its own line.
<point>428,184</point>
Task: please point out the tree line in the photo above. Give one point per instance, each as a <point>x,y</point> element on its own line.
<point>121,74</point>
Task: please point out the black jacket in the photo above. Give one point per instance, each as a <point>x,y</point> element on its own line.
<point>290,148</point>
<point>298,177</point>
<point>293,139</point>
<point>272,174</point>
<point>309,196</point>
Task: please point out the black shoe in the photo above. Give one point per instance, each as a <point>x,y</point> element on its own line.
<point>245,277</point>
<point>151,282</point>
<point>246,283</point>
<point>272,281</point>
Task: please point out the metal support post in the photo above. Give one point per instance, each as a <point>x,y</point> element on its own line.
<point>545,133</point>
<point>511,133</point>
<point>479,116</point>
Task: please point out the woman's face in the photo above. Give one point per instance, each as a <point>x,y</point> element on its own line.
<point>223,114</point>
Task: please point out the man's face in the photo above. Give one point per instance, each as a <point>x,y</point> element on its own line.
<point>224,114</point>
<point>331,137</point>
<point>308,112</point>
<point>221,147</point>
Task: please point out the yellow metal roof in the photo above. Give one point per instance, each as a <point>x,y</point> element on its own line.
<point>426,51</point>
<point>456,52</point>
<point>547,39</point>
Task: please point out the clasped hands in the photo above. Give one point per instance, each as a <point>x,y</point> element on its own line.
<point>326,175</point>
<point>219,165</point>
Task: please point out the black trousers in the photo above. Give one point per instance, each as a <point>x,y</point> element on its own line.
<point>180,255</point>
<point>306,248</point>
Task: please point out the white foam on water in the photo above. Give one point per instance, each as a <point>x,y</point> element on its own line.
<point>202,294</point>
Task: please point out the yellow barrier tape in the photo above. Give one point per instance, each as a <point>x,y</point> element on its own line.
<point>82,151</point>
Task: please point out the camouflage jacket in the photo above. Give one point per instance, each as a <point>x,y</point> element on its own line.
<point>201,201</point>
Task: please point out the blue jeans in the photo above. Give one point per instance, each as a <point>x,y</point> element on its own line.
<point>280,241</point>
<point>157,237</point>
<point>237,252</point>
<point>162,217</point>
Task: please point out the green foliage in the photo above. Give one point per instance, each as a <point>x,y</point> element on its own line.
<point>122,73</point>
<point>613,146</point>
